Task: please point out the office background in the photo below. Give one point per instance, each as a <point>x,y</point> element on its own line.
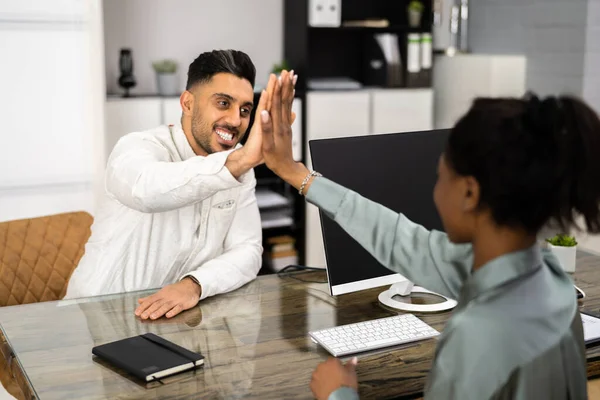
<point>55,143</point>
<point>62,109</point>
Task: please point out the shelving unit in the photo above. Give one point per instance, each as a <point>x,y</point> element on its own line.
<point>340,51</point>
<point>332,52</point>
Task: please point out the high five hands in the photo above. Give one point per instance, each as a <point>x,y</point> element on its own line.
<point>252,151</point>
<point>276,119</point>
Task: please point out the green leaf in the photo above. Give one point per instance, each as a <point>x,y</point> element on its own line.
<point>416,5</point>
<point>277,68</point>
<point>165,66</point>
<point>562,240</point>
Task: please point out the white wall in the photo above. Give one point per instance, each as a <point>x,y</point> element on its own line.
<point>182,29</point>
<point>591,89</point>
<point>459,79</point>
<point>51,106</point>
<point>551,33</point>
<point>591,75</point>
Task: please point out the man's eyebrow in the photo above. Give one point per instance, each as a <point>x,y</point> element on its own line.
<point>233,99</point>
<point>227,96</point>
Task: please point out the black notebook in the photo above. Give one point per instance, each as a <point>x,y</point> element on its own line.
<point>148,356</point>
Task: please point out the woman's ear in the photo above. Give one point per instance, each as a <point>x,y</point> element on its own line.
<point>472,194</point>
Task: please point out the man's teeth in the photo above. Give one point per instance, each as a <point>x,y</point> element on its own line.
<point>225,136</point>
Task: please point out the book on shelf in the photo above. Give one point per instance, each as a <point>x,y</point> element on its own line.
<point>280,252</point>
<point>367,23</point>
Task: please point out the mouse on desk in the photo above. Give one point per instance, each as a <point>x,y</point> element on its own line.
<point>402,288</point>
<point>580,293</point>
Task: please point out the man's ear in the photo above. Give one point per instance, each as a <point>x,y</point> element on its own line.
<point>472,194</point>
<point>187,103</point>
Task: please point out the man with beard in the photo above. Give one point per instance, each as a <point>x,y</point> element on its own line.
<point>180,210</point>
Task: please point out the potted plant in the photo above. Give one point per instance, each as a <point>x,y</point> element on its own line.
<point>415,12</point>
<point>564,248</point>
<point>166,77</point>
<point>277,68</point>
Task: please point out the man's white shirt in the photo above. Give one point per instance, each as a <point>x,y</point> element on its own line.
<point>167,214</point>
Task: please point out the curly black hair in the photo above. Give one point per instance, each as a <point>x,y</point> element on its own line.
<point>208,64</point>
<point>537,161</point>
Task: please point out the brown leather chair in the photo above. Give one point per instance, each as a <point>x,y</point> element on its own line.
<point>37,258</point>
<point>594,389</point>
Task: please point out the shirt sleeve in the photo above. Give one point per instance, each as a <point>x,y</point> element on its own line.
<point>141,175</point>
<point>242,255</point>
<point>426,258</point>
<point>344,393</point>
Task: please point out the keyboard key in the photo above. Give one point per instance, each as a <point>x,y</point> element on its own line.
<point>381,342</point>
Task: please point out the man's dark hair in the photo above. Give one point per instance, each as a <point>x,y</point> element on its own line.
<point>208,64</point>
<point>536,160</point>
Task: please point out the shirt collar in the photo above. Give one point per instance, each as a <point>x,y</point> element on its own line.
<point>181,141</point>
<point>501,271</point>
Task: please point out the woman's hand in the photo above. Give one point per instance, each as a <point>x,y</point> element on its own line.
<point>250,155</point>
<point>276,127</point>
<point>332,375</point>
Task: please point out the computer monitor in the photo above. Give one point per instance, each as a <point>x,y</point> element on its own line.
<point>398,170</point>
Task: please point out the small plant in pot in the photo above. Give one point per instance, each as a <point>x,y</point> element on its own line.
<point>277,68</point>
<point>564,248</point>
<point>415,13</point>
<point>166,77</point>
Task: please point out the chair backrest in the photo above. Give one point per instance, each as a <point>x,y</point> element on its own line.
<point>38,256</point>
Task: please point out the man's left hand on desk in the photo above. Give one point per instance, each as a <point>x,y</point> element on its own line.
<point>170,300</point>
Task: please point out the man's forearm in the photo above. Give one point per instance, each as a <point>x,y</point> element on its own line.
<point>154,186</point>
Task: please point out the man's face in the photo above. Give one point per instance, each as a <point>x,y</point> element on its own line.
<point>221,112</point>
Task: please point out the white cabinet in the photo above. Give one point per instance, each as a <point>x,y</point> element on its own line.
<point>458,80</point>
<point>337,114</point>
<point>401,110</point>
<point>170,110</point>
<point>126,115</point>
<point>331,114</point>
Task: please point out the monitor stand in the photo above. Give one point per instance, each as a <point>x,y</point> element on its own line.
<point>405,288</point>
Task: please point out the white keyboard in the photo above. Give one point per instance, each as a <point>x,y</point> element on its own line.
<point>371,335</point>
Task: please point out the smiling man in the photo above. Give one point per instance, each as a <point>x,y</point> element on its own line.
<point>180,211</point>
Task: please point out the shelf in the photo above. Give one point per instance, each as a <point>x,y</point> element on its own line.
<point>277,218</point>
<point>369,29</point>
<point>268,199</point>
<point>284,222</point>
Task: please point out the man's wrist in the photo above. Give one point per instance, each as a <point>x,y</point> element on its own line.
<point>237,164</point>
<point>196,286</point>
